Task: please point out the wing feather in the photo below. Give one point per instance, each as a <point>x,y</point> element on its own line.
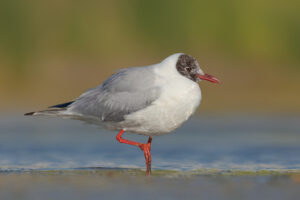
<point>125,92</point>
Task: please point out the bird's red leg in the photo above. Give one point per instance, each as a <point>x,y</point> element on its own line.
<point>147,152</point>
<point>144,147</point>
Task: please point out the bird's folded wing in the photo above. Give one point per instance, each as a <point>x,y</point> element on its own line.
<point>125,92</point>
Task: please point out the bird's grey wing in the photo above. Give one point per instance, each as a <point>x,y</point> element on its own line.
<point>125,92</point>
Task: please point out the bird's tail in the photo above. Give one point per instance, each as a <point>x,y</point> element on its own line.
<point>52,110</point>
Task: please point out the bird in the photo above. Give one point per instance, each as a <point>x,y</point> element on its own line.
<point>147,100</point>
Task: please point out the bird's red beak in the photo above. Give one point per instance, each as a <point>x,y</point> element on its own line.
<point>209,78</point>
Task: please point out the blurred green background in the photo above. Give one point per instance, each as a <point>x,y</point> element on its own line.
<point>51,51</point>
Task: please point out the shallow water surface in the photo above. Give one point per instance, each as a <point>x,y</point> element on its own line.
<point>209,157</point>
<point>210,142</point>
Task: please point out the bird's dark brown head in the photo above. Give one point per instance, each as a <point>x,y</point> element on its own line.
<point>188,66</point>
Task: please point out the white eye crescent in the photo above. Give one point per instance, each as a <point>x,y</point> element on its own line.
<point>188,69</point>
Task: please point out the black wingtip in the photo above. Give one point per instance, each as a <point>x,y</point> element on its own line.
<point>30,113</point>
<point>63,105</point>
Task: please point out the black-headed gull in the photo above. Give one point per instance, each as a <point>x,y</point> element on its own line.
<point>150,100</point>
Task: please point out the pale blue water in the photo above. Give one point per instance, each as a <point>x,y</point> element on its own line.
<point>211,142</point>
<point>31,145</point>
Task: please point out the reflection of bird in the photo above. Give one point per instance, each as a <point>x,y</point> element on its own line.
<point>151,100</point>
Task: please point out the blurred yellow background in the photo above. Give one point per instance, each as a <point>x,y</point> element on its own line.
<point>52,51</point>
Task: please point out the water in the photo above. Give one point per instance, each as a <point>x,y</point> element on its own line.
<point>211,142</point>
<point>209,157</point>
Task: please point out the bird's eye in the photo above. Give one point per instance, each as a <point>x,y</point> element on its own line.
<point>188,69</point>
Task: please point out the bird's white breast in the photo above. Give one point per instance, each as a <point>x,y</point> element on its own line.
<point>179,99</point>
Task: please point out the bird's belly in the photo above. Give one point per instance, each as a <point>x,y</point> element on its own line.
<point>165,114</point>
